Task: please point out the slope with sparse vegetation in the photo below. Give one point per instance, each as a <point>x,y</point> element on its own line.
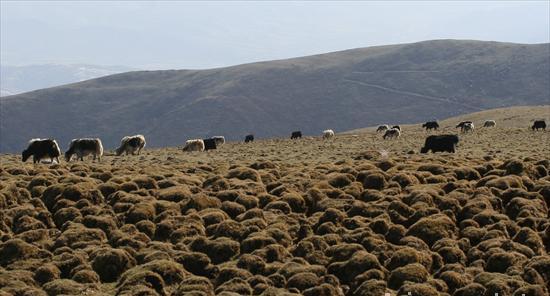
<point>345,90</point>
<point>518,116</point>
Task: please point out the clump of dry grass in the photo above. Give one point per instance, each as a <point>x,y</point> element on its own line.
<point>110,263</point>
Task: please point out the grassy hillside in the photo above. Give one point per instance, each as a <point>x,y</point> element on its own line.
<point>356,215</point>
<point>518,117</point>
<point>344,90</point>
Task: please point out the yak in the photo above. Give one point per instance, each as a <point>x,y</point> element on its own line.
<point>42,148</point>
<point>431,125</point>
<point>440,143</point>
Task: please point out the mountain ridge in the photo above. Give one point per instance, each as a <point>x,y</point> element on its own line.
<point>342,90</point>
<point>27,78</point>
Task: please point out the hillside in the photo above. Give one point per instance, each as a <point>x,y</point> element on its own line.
<point>510,117</point>
<point>344,90</point>
<point>355,215</point>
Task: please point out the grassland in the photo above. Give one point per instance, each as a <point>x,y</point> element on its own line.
<point>510,117</point>
<point>353,216</point>
<point>340,90</point>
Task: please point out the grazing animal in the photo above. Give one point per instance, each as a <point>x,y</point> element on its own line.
<point>431,125</point>
<point>296,135</point>
<point>440,143</point>
<point>382,128</point>
<point>131,144</point>
<point>468,127</point>
<point>328,134</point>
<point>392,133</point>
<point>84,147</point>
<point>209,144</point>
<point>249,138</point>
<point>397,127</point>
<point>194,145</point>
<point>489,123</point>
<point>461,125</point>
<point>539,124</point>
<point>220,140</point>
<point>42,148</point>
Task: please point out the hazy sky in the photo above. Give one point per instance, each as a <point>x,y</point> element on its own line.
<point>155,35</point>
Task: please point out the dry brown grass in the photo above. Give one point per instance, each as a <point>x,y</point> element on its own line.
<point>356,215</point>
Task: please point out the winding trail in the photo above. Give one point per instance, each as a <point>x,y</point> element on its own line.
<point>408,93</point>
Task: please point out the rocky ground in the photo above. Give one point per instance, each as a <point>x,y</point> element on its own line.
<point>352,216</point>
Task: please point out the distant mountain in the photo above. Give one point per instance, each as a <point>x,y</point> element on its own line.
<point>5,93</point>
<point>404,83</point>
<point>20,79</point>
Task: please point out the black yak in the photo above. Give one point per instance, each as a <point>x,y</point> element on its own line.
<point>249,138</point>
<point>42,148</point>
<point>296,135</point>
<point>539,124</point>
<point>209,144</point>
<point>84,147</point>
<point>431,125</point>
<point>440,143</point>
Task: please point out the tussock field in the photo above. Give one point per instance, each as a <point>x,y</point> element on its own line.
<point>352,216</point>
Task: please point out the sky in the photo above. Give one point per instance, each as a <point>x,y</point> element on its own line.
<point>199,35</point>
